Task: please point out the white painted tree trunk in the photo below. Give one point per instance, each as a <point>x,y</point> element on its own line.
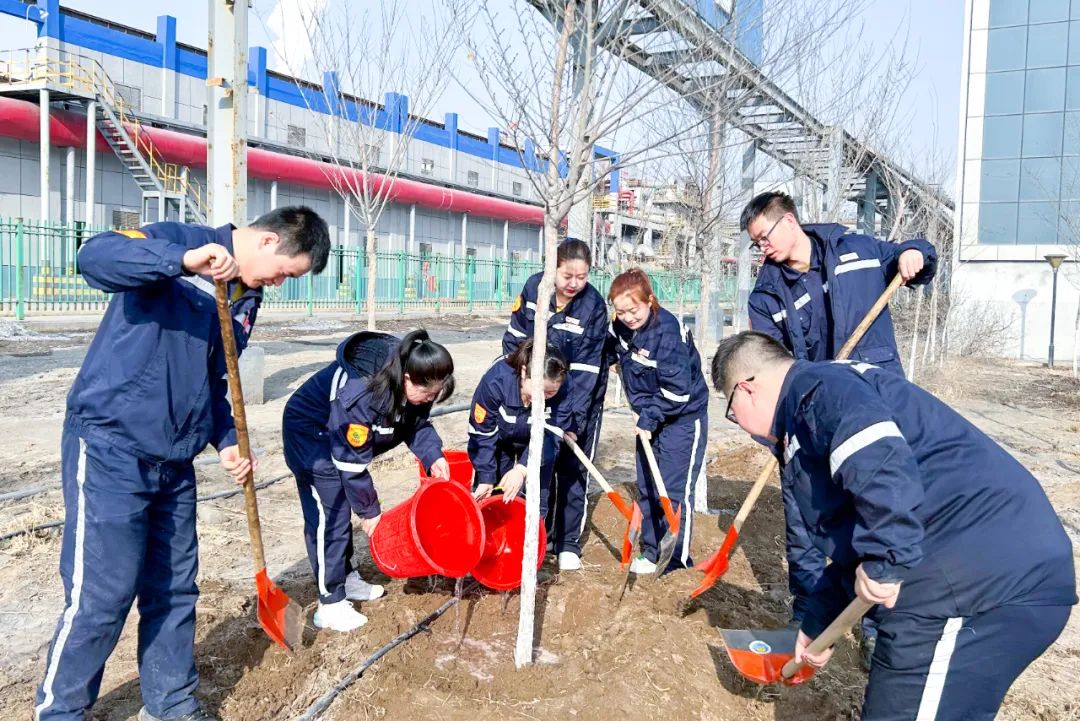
<point>914,335</point>
<point>369,250</point>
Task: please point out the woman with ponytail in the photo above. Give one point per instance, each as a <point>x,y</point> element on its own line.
<point>661,372</point>
<point>500,423</point>
<point>376,395</point>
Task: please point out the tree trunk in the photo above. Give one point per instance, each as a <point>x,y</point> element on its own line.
<point>1076,340</point>
<point>372,268</point>
<point>914,335</point>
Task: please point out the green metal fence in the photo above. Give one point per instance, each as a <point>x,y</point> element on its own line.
<point>39,273</point>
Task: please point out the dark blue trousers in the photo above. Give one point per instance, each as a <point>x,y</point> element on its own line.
<point>955,669</point>
<point>328,533</point>
<point>566,523</point>
<point>679,448</point>
<point>129,535</point>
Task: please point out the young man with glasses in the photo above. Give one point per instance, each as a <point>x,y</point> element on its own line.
<point>816,284</point>
<point>818,281</point>
<point>954,542</point>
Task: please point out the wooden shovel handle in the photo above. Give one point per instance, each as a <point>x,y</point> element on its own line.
<point>654,469</point>
<point>232,363</point>
<point>604,485</point>
<point>847,618</point>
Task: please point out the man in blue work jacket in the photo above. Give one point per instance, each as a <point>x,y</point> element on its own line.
<point>816,285</point>
<point>818,281</point>
<point>151,393</point>
<point>920,513</point>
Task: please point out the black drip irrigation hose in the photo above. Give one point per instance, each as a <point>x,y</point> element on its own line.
<point>324,701</point>
<point>211,497</point>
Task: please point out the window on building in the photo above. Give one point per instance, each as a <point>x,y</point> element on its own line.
<point>1072,93</point>
<point>1000,181</point>
<point>1005,93</point>
<point>1070,182</point>
<point>1042,134</point>
<point>1044,90</point>
<point>997,223</point>
<point>296,136</point>
<point>1069,224</point>
<point>1047,45</point>
<point>473,179</point>
<point>1047,11</point>
<point>425,249</point>
<point>1008,12</point>
<point>205,115</point>
<point>516,189</point>
<point>1074,41</point>
<point>125,219</point>
<point>1036,224</point>
<point>130,96</point>
<point>1070,144</point>
<point>1001,136</point>
<point>427,166</point>
<point>1006,49</point>
<point>1040,179</point>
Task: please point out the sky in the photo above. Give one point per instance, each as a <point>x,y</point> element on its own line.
<point>932,30</point>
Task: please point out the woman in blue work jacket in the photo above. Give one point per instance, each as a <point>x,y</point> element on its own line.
<point>577,326</point>
<point>501,423</point>
<point>661,372</point>
<point>376,395</point>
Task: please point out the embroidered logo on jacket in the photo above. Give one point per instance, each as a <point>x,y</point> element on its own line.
<point>479,412</point>
<point>517,305</point>
<point>132,233</point>
<point>357,435</point>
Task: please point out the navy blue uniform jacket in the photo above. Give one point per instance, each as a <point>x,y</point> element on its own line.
<point>154,381</point>
<point>661,370</point>
<point>877,471</point>
<point>499,416</point>
<point>857,270</point>
<point>356,425</point>
<point>579,331</point>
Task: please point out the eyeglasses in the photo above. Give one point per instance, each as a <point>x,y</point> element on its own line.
<point>728,413</point>
<point>758,242</point>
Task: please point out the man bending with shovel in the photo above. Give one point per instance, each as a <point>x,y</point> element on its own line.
<point>150,395</point>
<point>920,513</point>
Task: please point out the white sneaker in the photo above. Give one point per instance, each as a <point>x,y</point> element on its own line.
<point>569,561</point>
<point>340,616</point>
<point>642,565</point>
<point>357,589</point>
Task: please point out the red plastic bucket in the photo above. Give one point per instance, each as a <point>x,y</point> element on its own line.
<point>461,470</point>
<point>439,530</point>
<point>504,533</point>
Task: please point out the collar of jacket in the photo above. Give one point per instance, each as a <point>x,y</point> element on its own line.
<point>237,290</point>
<point>786,403</point>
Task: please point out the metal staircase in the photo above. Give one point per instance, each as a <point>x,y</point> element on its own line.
<point>69,75</point>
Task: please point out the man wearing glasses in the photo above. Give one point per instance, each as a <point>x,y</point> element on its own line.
<point>819,280</point>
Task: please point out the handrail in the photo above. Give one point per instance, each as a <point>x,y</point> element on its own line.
<point>86,76</point>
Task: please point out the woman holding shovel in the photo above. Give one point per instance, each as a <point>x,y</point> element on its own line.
<point>577,326</point>
<point>376,395</point>
<point>500,424</point>
<point>661,371</point>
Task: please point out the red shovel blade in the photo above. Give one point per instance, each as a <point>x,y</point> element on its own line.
<point>620,504</point>
<point>633,530</point>
<point>760,655</point>
<point>280,617</point>
<point>673,517</point>
<point>716,565</point>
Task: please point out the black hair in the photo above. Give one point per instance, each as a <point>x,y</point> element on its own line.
<point>555,367</point>
<point>300,230</point>
<point>423,360</point>
<point>748,349</point>
<point>771,204</point>
<point>573,249</point>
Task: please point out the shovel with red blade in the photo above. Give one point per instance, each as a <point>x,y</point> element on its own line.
<point>673,517</point>
<point>716,565</point>
<point>768,656</point>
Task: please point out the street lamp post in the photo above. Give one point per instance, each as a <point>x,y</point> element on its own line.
<point>1055,261</point>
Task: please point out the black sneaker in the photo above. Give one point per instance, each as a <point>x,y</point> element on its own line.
<point>196,715</point>
<point>866,651</point>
